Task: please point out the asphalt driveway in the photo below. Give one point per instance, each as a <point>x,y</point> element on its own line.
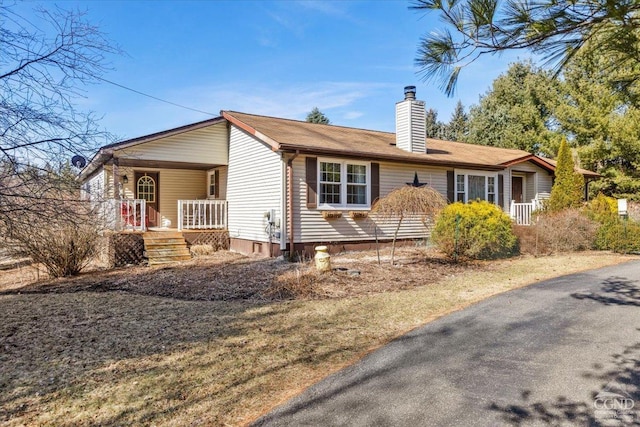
<point>562,352</point>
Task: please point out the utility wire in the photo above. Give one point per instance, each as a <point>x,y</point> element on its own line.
<point>155,97</point>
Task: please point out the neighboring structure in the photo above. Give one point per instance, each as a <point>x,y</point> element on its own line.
<point>280,185</point>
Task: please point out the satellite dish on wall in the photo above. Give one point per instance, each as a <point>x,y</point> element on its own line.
<point>79,161</point>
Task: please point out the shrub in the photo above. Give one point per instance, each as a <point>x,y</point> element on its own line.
<point>622,236</point>
<point>603,209</point>
<point>63,248</point>
<point>564,231</point>
<point>297,284</point>
<point>478,230</point>
<point>202,250</point>
<point>614,233</point>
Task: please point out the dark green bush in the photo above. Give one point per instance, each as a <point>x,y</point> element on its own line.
<point>615,233</point>
<point>478,230</point>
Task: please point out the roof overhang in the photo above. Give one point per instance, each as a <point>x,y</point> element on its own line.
<point>548,165</point>
<point>291,148</point>
<point>275,146</point>
<point>106,153</point>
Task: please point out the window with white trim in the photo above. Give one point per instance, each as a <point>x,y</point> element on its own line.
<point>460,188</point>
<point>476,185</point>
<point>343,184</point>
<point>213,180</point>
<point>147,189</point>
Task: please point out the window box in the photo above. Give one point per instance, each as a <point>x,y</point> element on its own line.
<point>331,214</point>
<point>358,214</point>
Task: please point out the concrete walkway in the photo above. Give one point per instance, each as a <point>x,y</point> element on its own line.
<point>540,355</point>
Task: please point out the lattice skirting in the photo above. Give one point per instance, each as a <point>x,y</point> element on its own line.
<point>125,249</point>
<point>218,239</point>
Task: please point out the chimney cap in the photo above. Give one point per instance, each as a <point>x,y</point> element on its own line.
<point>409,92</point>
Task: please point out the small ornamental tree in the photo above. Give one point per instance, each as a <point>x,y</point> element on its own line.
<point>406,201</point>
<point>568,186</point>
<point>317,116</point>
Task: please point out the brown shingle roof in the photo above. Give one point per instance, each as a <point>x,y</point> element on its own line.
<point>293,135</point>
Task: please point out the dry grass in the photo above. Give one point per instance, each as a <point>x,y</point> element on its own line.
<point>186,346</point>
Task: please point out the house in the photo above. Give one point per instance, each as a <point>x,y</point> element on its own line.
<point>279,185</point>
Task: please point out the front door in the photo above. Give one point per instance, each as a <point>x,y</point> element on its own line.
<point>147,188</point>
<point>516,189</point>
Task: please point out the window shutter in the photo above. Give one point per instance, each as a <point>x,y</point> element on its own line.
<point>216,184</point>
<point>375,182</point>
<point>501,190</point>
<point>451,186</point>
<point>312,181</point>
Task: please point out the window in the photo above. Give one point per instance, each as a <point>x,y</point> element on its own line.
<point>330,178</point>
<point>343,184</point>
<point>460,191</point>
<point>147,189</point>
<point>356,184</point>
<point>213,185</point>
<point>491,189</point>
<point>474,185</point>
<point>477,186</point>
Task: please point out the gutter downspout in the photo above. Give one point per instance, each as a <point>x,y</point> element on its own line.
<point>289,203</point>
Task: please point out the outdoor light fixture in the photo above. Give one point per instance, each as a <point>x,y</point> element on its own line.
<point>125,180</point>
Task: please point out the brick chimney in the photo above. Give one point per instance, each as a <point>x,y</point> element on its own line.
<point>411,123</point>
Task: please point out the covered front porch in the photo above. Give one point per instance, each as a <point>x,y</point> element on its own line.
<point>169,196</point>
<point>134,215</point>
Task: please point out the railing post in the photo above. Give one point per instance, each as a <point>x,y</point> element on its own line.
<point>143,215</point>
<point>180,215</point>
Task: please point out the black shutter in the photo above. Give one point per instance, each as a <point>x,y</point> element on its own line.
<point>375,182</point>
<point>312,182</point>
<point>451,186</point>
<point>501,191</point>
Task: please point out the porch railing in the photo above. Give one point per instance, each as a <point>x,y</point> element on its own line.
<point>129,214</point>
<point>202,214</point>
<point>521,212</point>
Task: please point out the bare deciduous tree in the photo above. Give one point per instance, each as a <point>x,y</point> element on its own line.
<point>45,64</point>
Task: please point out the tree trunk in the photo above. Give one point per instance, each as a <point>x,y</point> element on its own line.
<point>395,236</point>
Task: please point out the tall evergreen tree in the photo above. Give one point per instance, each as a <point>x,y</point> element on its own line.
<point>517,112</point>
<point>458,127</point>
<point>317,116</point>
<point>434,128</point>
<point>568,186</point>
<point>557,29</point>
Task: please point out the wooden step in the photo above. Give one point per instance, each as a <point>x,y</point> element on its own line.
<point>165,247</point>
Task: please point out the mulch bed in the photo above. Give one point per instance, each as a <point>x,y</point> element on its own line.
<point>227,276</point>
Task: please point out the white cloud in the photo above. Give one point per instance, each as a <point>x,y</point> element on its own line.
<point>291,101</point>
<point>352,115</point>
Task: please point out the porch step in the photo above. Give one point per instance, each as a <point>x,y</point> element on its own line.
<point>163,247</point>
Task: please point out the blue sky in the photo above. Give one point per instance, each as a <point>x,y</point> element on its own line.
<point>351,59</point>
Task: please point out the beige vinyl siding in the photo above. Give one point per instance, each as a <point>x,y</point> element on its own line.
<point>537,180</point>
<point>175,184</point>
<point>310,226</point>
<point>94,188</point>
<point>254,186</point>
<point>206,145</point>
<point>545,182</point>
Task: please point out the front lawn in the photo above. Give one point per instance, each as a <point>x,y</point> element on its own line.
<point>208,343</point>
